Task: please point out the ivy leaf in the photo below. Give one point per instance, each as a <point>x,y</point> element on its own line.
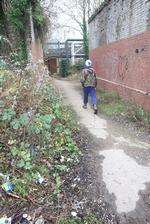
<point>24,119</point>
<point>61,168</point>
<point>58,185</point>
<point>28,166</point>
<point>15,124</point>
<point>14,151</point>
<point>2,103</point>
<point>8,114</point>
<point>21,163</point>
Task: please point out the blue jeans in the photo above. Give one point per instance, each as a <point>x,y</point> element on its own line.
<point>90,90</point>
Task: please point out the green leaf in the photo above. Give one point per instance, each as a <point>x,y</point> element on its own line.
<point>61,168</point>
<point>28,166</point>
<point>58,185</point>
<point>21,163</point>
<point>24,120</point>
<point>15,124</point>
<point>2,103</point>
<point>14,151</point>
<point>8,114</point>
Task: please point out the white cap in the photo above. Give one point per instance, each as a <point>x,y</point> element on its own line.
<point>88,63</point>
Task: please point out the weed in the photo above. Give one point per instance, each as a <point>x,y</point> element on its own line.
<point>7,115</point>
<point>113,108</point>
<point>91,219</point>
<point>36,133</point>
<point>21,187</point>
<point>108,97</point>
<point>58,185</point>
<point>112,105</point>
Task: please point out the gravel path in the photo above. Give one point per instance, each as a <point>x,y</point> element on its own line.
<point>121,163</point>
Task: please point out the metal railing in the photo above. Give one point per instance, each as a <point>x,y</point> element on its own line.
<point>72,48</point>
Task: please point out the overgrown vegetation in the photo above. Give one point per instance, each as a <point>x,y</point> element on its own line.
<point>113,105</point>
<point>88,220</point>
<point>64,67</point>
<point>19,14</point>
<point>84,28</point>
<point>36,145</point>
<point>15,23</point>
<point>78,66</point>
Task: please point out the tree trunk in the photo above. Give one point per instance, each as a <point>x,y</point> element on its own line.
<point>85,36</point>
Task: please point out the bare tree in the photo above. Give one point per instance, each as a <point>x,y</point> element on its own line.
<point>80,11</point>
<point>51,16</point>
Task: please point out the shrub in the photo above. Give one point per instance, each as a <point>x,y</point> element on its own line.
<point>79,65</point>
<point>64,67</point>
<point>3,65</point>
<point>36,132</point>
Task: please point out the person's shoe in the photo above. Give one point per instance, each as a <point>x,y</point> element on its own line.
<point>95,111</point>
<point>85,106</point>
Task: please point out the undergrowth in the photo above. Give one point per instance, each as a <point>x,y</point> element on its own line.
<point>112,104</point>
<point>88,220</point>
<point>36,145</point>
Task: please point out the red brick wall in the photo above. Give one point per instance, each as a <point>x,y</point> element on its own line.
<point>125,67</point>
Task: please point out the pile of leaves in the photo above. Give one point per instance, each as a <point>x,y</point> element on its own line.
<point>36,145</point>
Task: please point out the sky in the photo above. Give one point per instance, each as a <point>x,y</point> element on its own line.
<point>63,26</point>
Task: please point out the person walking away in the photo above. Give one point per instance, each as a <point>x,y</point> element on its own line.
<point>89,83</point>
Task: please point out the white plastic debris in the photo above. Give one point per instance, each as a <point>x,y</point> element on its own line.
<point>5,220</point>
<point>40,179</point>
<point>73,185</point>
<point>29,218</point>
<point>25,216</point>
<point>74,214</point>
<point>62,159</point>
<point>2,175</point>
<point>40,221</point>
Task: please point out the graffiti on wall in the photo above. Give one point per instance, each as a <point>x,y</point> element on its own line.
<point>107,63</point>
<point>129,68</point>
<point>123,65</point>
<point>115,67</point>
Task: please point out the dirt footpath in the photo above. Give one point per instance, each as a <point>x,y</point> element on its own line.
<point>121,163</point>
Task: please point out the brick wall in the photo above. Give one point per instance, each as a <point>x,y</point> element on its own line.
<point>121,53</point>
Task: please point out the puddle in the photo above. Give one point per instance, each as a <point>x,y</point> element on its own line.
<point>124,178</point>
